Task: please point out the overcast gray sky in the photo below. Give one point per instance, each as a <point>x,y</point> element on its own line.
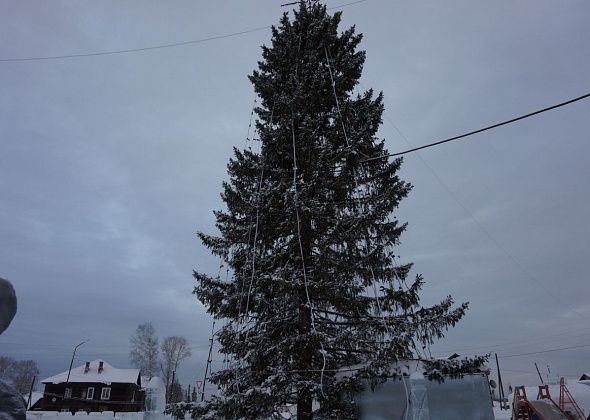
<point>109,164</point>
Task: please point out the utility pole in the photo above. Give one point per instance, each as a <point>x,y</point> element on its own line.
<point>31,392</point>
<point>540,377</point>
<point>207,367</point>
<point>501,390</point>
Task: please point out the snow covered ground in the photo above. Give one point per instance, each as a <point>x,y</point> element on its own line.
<point>54,415</point>
<point>501,414</point>
<point>580,390</point>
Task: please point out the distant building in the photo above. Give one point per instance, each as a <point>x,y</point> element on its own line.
<point>584,377</point>
<point>93,387</point>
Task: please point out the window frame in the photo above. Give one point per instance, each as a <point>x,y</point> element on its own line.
<point>67,393</point>
<point>89,394</point>
<point>102,393</point>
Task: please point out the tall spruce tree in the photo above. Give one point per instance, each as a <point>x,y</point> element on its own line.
<point>310,235</point>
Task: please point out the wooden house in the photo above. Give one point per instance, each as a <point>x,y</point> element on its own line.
<point>94,387</point>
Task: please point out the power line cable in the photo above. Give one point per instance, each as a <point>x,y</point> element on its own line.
<point>517,343</point>
<point>134,50</point>
<point>546,351</point>
<point>154,47</point>
<point>346,4</point>
<point>516,348</point>
<point>534,373</point>
<point>490,127</point>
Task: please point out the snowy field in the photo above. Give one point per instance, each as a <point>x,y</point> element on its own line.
<point>579,389</point>
<point>51,415</point>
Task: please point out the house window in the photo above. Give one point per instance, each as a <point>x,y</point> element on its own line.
<point>90,393</point>
<point>105,394</point>
<point>68,393</point>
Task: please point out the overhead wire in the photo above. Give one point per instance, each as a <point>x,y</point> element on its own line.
<point>513,349</point>
<point>516,343</point>
<point>480,130</point>
<point>534,372</point>
<point>134,50</point>
<point>153,47</point>
<point>545,351</point>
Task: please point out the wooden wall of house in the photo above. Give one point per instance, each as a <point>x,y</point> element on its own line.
<point>124,397</point>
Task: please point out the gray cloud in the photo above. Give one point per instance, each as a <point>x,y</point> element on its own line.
<point>110,164</point>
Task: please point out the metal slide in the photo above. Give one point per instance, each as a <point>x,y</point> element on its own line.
<point>547,410</point>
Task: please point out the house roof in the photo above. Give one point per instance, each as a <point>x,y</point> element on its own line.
<point>108,375</point>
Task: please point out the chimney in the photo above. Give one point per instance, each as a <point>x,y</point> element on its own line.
<point>87,367</point>
<point>100,366</point>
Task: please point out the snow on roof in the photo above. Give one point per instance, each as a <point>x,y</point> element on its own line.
<point>108,375</point>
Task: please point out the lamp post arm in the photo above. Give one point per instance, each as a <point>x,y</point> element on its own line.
<point>72,361</point>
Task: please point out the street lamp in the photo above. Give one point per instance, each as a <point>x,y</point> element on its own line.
<point>72,362</point>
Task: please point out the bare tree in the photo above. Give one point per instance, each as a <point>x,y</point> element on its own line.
<point>175,392</point>
<point>174,350</point>
<point>22,374</point>
<point>144,350</point>
<point>6,365</point>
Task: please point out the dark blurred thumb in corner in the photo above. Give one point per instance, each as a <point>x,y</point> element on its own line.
<point>12,404</point>
<point>7,304</point>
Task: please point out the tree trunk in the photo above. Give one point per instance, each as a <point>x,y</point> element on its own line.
<point>304,397</point>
